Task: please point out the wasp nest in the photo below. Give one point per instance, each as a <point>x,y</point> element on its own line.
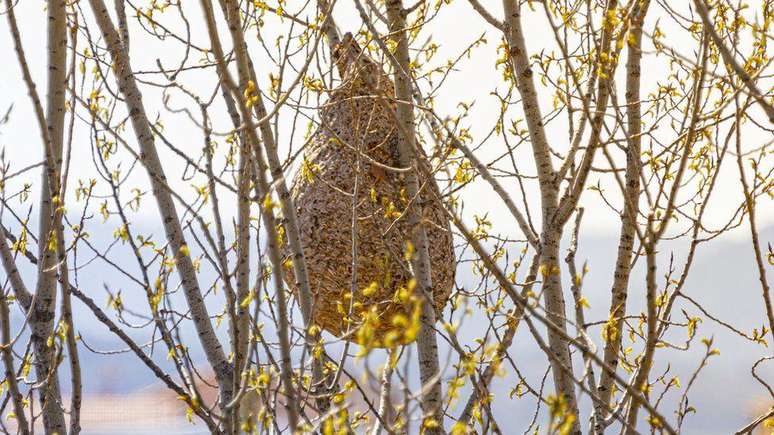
<point>353,151</point>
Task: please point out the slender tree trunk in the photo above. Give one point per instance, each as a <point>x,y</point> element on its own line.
<point>267,214</point>
<point>172,226</point>
<point>646,362</point>
<point>241,352</point>
<point>656,229</point>
<point>556,312</point>
<point>631,206</point>
<point>17,400</point>
<point>427,345</point>
<point>290,219</point>
<point>44,310</point>
<point>551,231</point>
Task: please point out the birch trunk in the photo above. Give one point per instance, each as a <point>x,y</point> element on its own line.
<point>656,229</point>
<point>44,309</point>
<point>264,189</point>
<point>620,290</point>
<point>172,227</point>
<point>290,220</point>
<point>5,335</point>
<point>561,361</point>
<point>427,345</point>
<point>551,231</point>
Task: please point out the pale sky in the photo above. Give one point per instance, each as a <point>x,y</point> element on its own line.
<point>453,29</point>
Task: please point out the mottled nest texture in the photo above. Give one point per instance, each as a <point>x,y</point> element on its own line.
<point>358,129</point>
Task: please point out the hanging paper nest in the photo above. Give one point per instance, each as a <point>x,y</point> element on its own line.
<point>358,130</point>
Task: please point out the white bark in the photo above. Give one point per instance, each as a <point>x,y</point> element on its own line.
<point>5,337</point>
<point>551,231</point>
<point>267,214</point>
<point>620,290</point>
<point>427,345</point>
<point>172,227</point>
<point>44,310</point>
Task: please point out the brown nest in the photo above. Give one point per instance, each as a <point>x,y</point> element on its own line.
<point>358,130</point>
